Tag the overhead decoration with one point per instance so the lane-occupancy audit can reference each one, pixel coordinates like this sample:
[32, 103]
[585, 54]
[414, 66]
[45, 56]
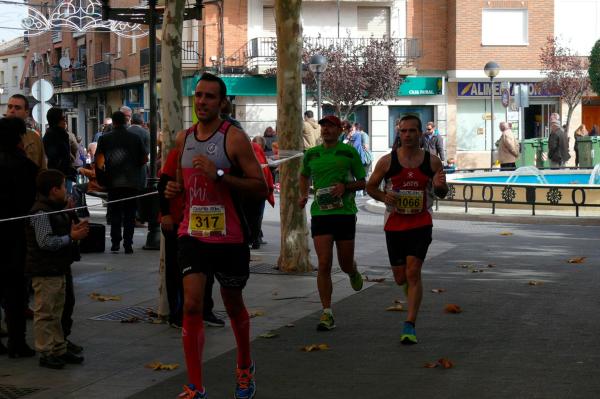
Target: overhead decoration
[78, 16]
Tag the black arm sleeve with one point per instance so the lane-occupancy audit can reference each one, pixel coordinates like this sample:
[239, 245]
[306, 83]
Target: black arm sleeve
[164, 202]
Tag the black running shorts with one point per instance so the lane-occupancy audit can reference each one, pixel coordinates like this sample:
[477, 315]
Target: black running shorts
[414, 242]
[230, 263]
[341, 227]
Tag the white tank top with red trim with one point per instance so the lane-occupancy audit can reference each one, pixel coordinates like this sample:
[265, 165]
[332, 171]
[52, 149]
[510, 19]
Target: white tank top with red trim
[210, 213]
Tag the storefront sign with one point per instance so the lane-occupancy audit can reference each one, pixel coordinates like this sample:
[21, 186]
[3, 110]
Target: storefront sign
[421, 86]
[482, 89]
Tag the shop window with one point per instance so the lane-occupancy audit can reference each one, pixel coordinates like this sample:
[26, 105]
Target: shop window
[504, 27]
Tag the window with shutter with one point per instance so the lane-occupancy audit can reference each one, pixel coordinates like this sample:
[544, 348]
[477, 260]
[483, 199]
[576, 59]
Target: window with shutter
[269, 21]
[373, 21]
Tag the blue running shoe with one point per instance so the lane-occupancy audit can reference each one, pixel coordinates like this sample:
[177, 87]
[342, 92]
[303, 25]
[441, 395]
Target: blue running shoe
[190, 392]
[245, 387]
[409, 335]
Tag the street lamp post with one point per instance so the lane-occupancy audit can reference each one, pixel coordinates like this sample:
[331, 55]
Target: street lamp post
[318, 65]
[492, 70]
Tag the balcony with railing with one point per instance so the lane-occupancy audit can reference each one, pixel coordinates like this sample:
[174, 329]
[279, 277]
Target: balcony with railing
[259, 54]
[189, 54]
[145, 61]
[78, 77]
[101, 73]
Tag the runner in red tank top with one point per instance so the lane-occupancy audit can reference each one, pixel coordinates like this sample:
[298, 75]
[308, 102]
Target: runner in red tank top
[412, 177]
[216, 161]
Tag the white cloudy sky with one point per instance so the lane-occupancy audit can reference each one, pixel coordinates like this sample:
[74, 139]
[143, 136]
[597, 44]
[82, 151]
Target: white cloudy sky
[10, 17]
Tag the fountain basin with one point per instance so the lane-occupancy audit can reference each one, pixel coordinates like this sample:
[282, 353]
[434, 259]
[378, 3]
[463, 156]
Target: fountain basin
[529, 188]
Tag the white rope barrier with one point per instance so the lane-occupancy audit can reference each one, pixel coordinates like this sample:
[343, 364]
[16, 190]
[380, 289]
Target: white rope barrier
[79, 207]
[289, 155]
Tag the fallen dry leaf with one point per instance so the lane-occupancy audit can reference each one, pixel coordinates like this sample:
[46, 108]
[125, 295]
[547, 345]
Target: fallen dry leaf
[476, 270]
[452, 308]
[103, 298]
[256, 313]
[443, 363]
[395, 308]
[465, 265]
[290, 325]
[438, 290]
[578, 259]
[158, 366]
[374, 280]
[534, 282]
[399, 301]
[506, 233]
[315, 348]
[269, 334]
[491, 265]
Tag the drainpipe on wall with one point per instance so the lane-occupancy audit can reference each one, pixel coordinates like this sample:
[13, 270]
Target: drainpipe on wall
[219, 5]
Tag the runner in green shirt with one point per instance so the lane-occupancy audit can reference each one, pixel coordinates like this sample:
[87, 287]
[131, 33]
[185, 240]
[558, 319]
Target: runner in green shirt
[337, 173]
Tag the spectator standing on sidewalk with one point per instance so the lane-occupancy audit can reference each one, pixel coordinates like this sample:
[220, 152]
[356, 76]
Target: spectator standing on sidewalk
[18, 195]
[336, 173]
[119, 157]
[508, 148]
[51, 248]
[18, 107]
[310, 131]
[58, 147]
[434, 143]
[412, 176]
[558, 143]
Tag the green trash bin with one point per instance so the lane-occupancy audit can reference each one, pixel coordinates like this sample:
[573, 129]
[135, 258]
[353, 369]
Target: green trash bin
[542, 160]
[595, 150]
[584, 148]
[528, 153]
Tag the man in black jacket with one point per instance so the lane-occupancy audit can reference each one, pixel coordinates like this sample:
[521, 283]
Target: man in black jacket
[119, 156]
[432, 142]
[18, 174]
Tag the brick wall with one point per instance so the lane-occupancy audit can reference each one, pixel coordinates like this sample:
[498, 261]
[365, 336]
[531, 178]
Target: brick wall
[428, 21]
[470, 54]
[235, 25]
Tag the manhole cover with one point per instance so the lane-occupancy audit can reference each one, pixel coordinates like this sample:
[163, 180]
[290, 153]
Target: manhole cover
[267, 268]
[12, 392]
[142, 314]
[125, 314]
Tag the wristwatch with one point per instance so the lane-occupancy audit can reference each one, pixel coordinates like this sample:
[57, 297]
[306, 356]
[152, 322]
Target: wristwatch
[220, 174]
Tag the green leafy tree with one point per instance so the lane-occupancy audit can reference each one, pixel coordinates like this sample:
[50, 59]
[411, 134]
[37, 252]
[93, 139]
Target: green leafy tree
[594, 68]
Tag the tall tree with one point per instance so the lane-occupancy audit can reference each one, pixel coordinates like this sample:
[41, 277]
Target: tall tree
[565, 73]
[359, 71]
[594, 68]
[294, 232]
[171, 105]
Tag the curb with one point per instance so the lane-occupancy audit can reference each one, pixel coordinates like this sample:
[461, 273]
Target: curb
[451, 212]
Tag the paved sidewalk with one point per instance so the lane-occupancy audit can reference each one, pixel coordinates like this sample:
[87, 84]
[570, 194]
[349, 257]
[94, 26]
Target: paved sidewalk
[512, 340]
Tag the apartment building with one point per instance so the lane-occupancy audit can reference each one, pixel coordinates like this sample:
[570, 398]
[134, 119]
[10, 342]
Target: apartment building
[444, 47]
[12, 60]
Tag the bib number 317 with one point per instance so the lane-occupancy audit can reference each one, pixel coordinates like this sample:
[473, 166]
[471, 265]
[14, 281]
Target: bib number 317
[207, 221]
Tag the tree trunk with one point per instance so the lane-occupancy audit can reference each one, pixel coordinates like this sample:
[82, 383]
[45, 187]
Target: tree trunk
[294, 255]
[171, 105]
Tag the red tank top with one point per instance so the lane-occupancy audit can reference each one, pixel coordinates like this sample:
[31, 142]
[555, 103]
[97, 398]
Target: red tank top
[210, 213]
[414, 191]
